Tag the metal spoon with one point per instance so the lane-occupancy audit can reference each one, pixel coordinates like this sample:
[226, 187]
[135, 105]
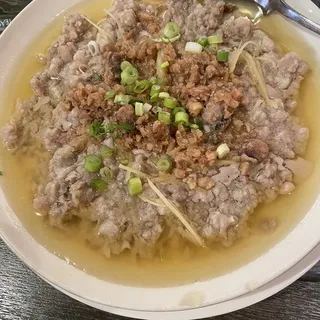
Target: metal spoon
[269, 6]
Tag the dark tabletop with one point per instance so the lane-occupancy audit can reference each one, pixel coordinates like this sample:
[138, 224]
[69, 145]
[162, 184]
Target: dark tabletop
[23, 295]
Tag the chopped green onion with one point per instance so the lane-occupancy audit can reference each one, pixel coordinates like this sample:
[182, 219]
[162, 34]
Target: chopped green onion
[113, 127]
[106, 173]
[215, 39]
[223, 150]
[157, 40]
[194, 126]
[92, 163]
[214, 139]
[122, 99]
[109, 95]
[170, 103]
[96, 129]
[99, 184]
[135, 186]
[193, 47]
[106, 152]
[222, 56]
[96, 78]
[166, 40]
[124, 161]
[165, 65]
[1, 173]
[141, 86]
[138, 107]
[199, 123]
[153, 80]
[155, 97]
[155, 89]
[147, 107]
[125, 64]
[164, 164]
[182, 118]
[129, 76]
[176, 110]
[157, 81]
[171, 30]
[213, 47]
[163, 95]
[164, 117]
[203, 42]
[130, 90]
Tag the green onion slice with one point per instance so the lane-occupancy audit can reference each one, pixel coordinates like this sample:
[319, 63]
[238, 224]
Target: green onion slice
[155, 97]
[99, 184]
[182, 118]
[125, 64]
[138, 107]
[124, 161]
[157, 81]
[163, 95]
[106, 173]
[171, 30]
[170, 103]
[165, 65]
[164, 117]
[216, 39]
[203, 42]
[96, 129]
[193, 47]
[106, 152]
[135, 186]
[164, 164]
[92, 163]
[155, 89]
[199, 122]
[176, 110]
[122, 99]
[222, 56]
[141, 86]
[129, 75]
[109, 95]
[213, 47]
[166, 40]
[147, 107]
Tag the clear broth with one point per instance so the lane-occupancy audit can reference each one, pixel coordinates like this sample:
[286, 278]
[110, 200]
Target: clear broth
[177, 266]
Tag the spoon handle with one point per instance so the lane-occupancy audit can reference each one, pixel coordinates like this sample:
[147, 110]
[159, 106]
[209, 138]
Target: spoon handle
[292, 14]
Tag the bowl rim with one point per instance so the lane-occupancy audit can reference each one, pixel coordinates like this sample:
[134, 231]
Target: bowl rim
[233, 305]
[82, 285]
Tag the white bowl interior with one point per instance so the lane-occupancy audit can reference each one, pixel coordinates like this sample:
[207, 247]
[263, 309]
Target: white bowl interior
[255, 274]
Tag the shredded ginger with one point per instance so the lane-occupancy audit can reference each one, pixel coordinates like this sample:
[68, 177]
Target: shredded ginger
[198, 240]
[151, 201]
[134, 171]
[98, 28]
[255, 70]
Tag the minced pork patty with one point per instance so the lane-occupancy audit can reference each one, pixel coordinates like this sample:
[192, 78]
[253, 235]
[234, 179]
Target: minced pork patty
[74, 113]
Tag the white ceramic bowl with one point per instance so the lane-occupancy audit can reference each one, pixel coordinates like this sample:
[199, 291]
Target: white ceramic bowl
[115, 297]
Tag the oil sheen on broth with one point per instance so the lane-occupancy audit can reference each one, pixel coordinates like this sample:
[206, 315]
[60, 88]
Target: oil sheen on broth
[178, 264]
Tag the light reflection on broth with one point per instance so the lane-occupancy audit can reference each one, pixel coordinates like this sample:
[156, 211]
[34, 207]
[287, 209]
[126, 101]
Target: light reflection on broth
[179, 264]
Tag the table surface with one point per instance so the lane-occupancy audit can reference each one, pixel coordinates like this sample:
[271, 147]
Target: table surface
[23, 295]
